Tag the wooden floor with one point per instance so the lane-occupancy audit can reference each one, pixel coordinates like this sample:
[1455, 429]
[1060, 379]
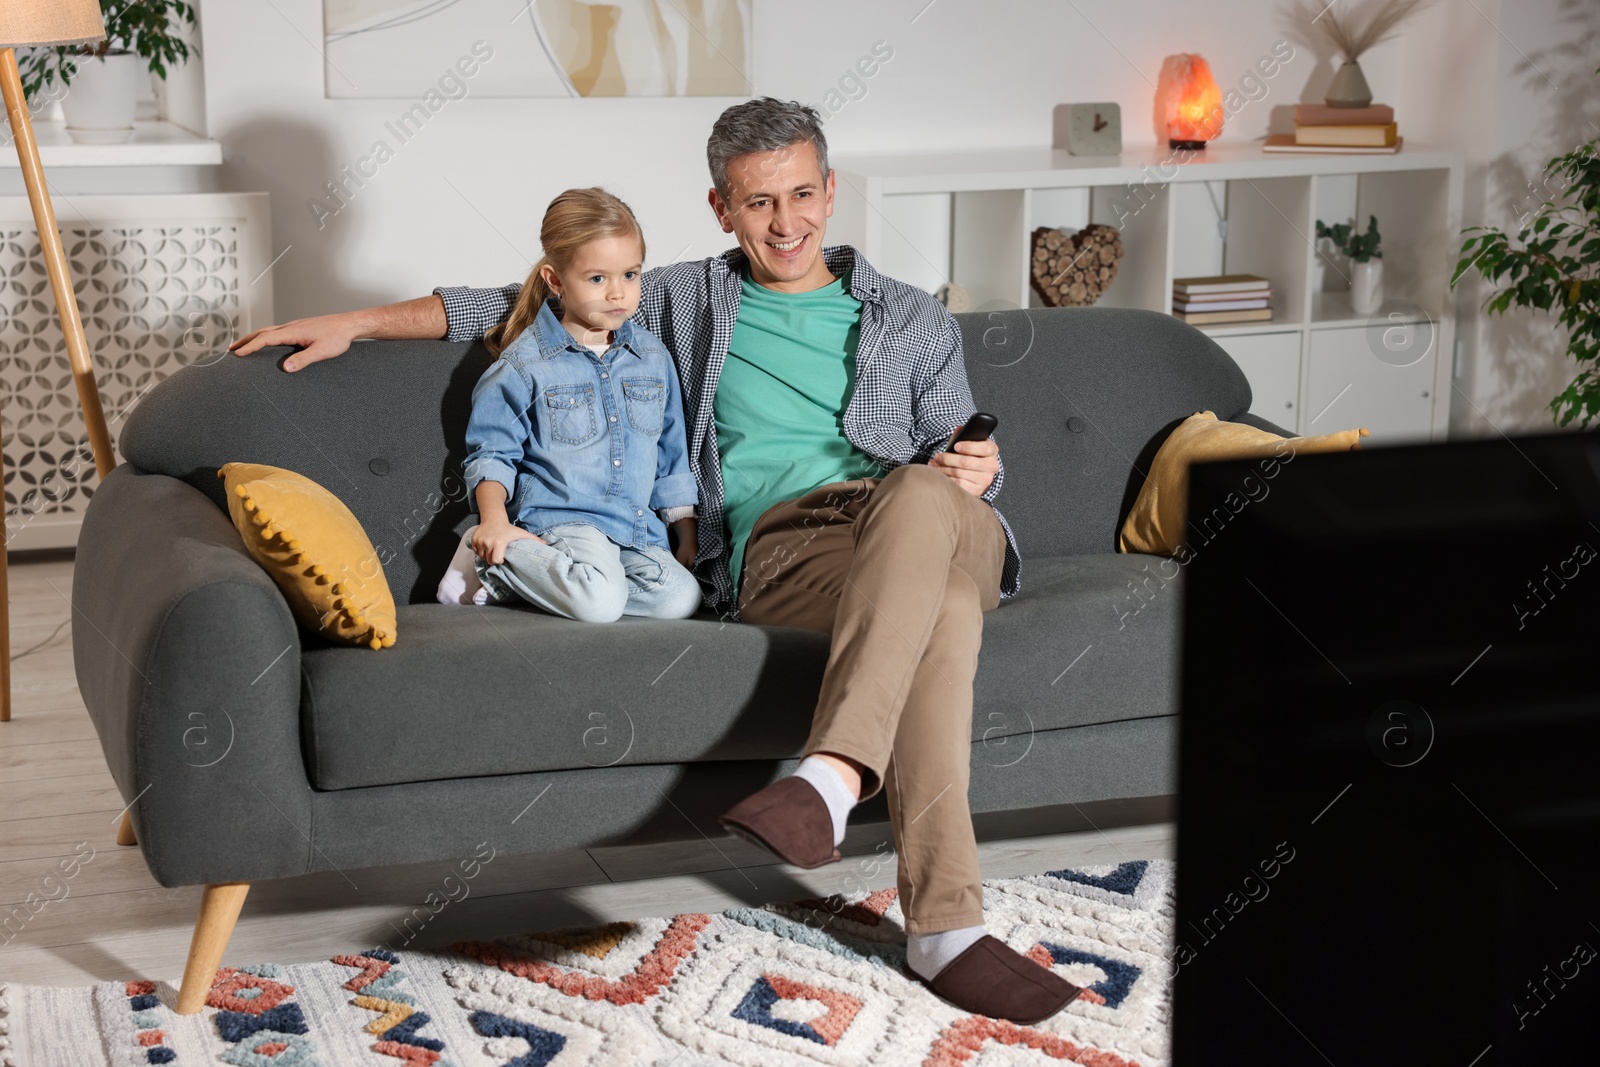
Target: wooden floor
[57, 798]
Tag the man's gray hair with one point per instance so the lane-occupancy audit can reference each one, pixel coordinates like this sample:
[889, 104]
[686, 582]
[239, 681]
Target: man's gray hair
[764, 124]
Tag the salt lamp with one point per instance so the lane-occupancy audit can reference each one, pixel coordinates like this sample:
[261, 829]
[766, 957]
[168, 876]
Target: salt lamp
[1190, 102]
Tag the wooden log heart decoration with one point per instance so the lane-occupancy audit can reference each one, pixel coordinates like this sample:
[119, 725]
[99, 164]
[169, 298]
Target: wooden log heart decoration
[1073, 270]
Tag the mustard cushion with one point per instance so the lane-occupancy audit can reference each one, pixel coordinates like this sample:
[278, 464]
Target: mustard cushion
[1156, 523]
[316, 552]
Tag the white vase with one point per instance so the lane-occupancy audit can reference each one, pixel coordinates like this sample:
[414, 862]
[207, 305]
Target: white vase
[100, 102]
[1366, 286]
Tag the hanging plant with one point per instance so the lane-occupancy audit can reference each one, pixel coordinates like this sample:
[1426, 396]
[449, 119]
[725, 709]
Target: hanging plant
[149, 29]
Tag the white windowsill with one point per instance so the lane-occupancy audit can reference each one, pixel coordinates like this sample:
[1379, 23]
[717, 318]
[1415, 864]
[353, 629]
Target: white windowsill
[154, 144]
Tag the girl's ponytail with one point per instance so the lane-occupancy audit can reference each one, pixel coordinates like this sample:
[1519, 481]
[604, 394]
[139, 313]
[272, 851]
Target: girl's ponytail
[573, 219]
[523, 312]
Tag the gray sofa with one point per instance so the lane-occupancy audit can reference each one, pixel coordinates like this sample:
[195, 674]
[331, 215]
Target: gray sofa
[258, 751]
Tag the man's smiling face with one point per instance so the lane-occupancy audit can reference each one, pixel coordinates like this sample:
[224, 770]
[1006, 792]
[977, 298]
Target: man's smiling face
[777, 206]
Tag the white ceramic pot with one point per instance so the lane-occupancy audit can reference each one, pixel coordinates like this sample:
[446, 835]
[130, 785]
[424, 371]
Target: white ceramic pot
[1366, 286]
[100, 102]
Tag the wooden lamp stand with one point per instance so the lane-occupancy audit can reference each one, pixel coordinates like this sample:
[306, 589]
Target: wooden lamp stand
[55, 261]
[72, 22]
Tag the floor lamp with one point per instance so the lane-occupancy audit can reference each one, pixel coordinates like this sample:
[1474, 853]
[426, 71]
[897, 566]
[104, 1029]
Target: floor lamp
[28, 23]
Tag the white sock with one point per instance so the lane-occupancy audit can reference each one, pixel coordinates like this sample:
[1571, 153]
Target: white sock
[834, 792]
[928, 954]
[460, 584]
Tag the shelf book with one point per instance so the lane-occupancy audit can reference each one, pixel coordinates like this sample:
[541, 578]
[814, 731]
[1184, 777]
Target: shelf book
[1320, 128]
[1348, 136]
[1285, 142]
[1213, 300]
[1324, 115]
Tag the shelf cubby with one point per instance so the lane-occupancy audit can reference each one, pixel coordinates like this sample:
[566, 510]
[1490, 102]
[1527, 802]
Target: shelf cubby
[987, 227]
[1266, 237]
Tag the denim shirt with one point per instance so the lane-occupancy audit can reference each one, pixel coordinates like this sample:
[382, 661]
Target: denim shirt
[578, 437]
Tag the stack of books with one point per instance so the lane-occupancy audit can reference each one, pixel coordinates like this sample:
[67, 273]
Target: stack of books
[1218, 299]
[1367, 130]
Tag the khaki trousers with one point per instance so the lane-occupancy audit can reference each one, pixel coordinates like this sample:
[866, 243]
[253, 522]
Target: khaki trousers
[899, 570]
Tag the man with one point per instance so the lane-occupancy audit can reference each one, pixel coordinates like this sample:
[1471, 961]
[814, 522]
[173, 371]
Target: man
[806, 376]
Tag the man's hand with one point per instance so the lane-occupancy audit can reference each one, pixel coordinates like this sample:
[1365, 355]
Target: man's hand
[491, 538]
[320, 338]
[973, 465]
[688, 546]
[327, 336]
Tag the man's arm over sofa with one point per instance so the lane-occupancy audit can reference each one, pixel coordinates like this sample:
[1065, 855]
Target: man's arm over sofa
[188, 661]
[471, 313]
[425, 318]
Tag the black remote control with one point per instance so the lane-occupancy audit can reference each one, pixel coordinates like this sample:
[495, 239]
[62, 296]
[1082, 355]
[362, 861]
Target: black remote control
[978, 428]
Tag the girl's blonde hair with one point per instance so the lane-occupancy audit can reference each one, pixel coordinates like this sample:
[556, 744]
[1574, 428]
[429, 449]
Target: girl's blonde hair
[573, 219]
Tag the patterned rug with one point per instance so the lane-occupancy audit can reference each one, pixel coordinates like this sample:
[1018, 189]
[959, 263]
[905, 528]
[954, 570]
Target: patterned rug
[805, 983]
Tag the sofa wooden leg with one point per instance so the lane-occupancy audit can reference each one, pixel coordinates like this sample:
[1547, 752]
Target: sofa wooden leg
[219, 910]
[125, 830]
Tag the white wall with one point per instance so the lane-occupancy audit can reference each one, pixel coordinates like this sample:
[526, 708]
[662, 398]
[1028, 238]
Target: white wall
[461, 202]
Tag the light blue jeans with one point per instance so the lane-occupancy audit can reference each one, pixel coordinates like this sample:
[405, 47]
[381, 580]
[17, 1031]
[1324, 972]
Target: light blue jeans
[580, 573]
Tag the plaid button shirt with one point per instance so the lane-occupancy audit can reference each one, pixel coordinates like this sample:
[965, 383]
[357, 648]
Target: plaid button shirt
[910, 391]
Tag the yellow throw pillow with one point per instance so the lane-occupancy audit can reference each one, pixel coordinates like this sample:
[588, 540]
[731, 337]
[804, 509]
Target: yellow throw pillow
[1156, 523]
[315, 550]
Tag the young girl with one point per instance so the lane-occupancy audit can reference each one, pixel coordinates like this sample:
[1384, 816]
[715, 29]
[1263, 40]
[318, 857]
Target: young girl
[576, 439]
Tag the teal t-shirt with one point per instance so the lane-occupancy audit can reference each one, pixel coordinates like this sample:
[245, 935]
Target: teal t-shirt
[780, 401]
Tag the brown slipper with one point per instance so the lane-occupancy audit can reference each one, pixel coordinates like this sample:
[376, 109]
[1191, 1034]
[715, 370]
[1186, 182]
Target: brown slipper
[990, 978]
[789, 819]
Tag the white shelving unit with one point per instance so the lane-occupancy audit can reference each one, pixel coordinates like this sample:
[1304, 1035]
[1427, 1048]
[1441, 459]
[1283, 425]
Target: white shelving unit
[153, 144]
[1317, 367]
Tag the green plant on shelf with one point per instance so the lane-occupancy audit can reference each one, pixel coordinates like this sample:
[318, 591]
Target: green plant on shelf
[1360, 247]
[150, 29]
[1553, 264]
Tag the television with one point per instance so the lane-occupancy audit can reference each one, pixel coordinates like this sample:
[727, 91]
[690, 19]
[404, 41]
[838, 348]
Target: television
[1389, 769]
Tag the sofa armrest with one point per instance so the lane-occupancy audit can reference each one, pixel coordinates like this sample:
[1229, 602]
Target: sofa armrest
[1259, 423]
[188, 660]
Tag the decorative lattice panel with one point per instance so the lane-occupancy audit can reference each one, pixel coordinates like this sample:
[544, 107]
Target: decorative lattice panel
[153, 297]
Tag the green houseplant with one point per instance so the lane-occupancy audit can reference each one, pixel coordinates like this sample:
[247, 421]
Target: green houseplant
[1366, 262]
[1553, 264]
[1360, 247]
[140, 35]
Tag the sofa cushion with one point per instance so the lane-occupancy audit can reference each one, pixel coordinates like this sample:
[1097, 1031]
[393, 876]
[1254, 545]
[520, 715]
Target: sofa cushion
[315, 550]
[1091, 639]
[1158, 521]
[505, 690]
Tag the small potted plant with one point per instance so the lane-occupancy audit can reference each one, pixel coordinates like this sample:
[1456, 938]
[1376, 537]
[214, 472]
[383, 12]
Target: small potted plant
[1366, 262]
[104, 76]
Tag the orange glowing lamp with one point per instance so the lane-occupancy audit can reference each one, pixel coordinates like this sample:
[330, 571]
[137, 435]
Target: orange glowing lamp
[1190, 102]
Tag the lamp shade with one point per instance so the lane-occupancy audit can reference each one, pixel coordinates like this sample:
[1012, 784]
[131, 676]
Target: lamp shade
[36, 22]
